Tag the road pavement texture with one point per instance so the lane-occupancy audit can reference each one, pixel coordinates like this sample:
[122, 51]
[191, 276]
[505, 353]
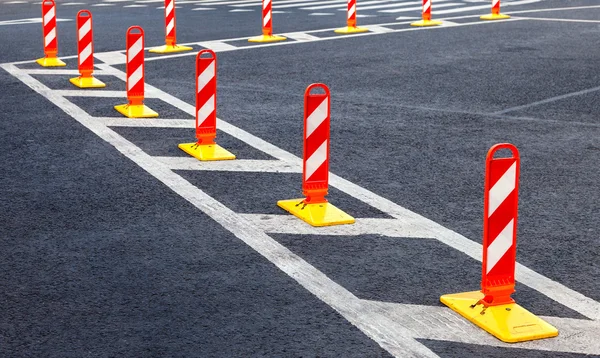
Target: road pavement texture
[103, 257]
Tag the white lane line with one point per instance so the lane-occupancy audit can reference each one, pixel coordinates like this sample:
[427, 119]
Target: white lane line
[321, 14]
[94, 93]
[102, 4]
[112, 57]
[559, 20]
[34, 20]
[548, 100]
[137, 5]
[439, 323]
[343, 3]
[419, 8]
[481, 7]
[240, 10]
[147, 122]
[288, 224]
[552, 289]
[378, 29]
[278, 3]
[203, 9]
[71, 3]
[217, 46]
[42, 71]
[238, 165]
[375, 325]
[300, 36]
[15, 2]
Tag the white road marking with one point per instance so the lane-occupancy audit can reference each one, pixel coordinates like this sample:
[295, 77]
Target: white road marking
[147, 122]
[321, 14]
[559, 20]
[482, 7]
[217, 46]
[419, 8]
[240, 10]
[34, 20]
[111, 58]
[137, 5]
[549, 100]
[203, 8]
[94, 93]
[288, 224]
[103, 4]
[43, 71]
[300, 36]
[378, 29]
[238, 165]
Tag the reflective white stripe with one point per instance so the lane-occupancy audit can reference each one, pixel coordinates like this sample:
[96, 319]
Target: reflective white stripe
[206, 110]
[135, 78]
[169, 8]
[502, 189]
[352, 11]
[426, 6]
[206, 76]
[135, 49]
[87, 52]
[51, 35]
[266, 3]
[170, 26]
[499, 246]
[317, 117]
[267, 18]
[316, 160]
[49, 15]
[85, 28]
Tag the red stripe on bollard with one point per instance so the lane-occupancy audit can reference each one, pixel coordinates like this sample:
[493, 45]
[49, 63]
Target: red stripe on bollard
[500, 226]
[315, 181]
[206, 97]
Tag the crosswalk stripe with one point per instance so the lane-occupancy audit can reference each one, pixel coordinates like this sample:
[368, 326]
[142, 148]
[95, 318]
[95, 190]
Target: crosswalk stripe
[360, 7]
[277, 3]
[398, 5]
[418, 8]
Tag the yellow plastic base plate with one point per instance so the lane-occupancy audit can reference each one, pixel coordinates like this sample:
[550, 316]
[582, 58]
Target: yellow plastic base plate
[423, 23]
[170, 49]
[51, 62]
[263, 38]
[350, 30]
[494, 17]
[323, 214]
[136, 111]
[87, 82]
[206, 152]
[509, 323]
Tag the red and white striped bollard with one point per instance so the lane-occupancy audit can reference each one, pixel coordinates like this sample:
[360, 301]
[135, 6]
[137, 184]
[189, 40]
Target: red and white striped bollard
[495, 15]
[206, 111]
[351, 21]
[50, 36]
[170, 32]
[314, 208]
[135, 77]
[267, 25]
[85, 52]
[426, 16]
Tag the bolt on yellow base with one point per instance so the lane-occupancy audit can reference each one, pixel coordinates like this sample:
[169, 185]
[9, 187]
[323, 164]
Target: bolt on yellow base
[267, 38]
[50, 62]
[136, 111]
[423, 23]
[495, 17]
[351, 30]
[509, 323]
[206, 151]
[87, 82]
[170, 49]
[322, 214]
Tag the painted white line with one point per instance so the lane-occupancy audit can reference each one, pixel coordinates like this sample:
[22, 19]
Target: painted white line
[217, 46]
[397, 5]
[549, 100]
[419, 8]
[146, 122]
[482, 7]
[94, 93]
[288, 224]
[203, 9]
[375, 325]
[378, 29]
[34, 20]
[137, 5]
[342, 4]
[552, 289]
[102, 4]
[240, 10]
[321, 14]
[238, 165]
[554, 9]
[71, 3]
[300, 36]
[43, 71]
[111, 58]
[15, 2]
[559, 20]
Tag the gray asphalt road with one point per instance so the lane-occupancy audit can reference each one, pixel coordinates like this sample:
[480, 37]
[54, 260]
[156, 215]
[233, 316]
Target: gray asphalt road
[100, 259]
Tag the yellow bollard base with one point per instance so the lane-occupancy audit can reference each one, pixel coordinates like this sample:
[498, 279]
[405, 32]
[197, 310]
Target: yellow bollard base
[494, 17]
[350, 30]
[323, 214]
[50, 62]
[87, 82]
[265, 38]
[170, 49]
[136, 111]
[423, 23]
[206, 152]
[509, 323]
